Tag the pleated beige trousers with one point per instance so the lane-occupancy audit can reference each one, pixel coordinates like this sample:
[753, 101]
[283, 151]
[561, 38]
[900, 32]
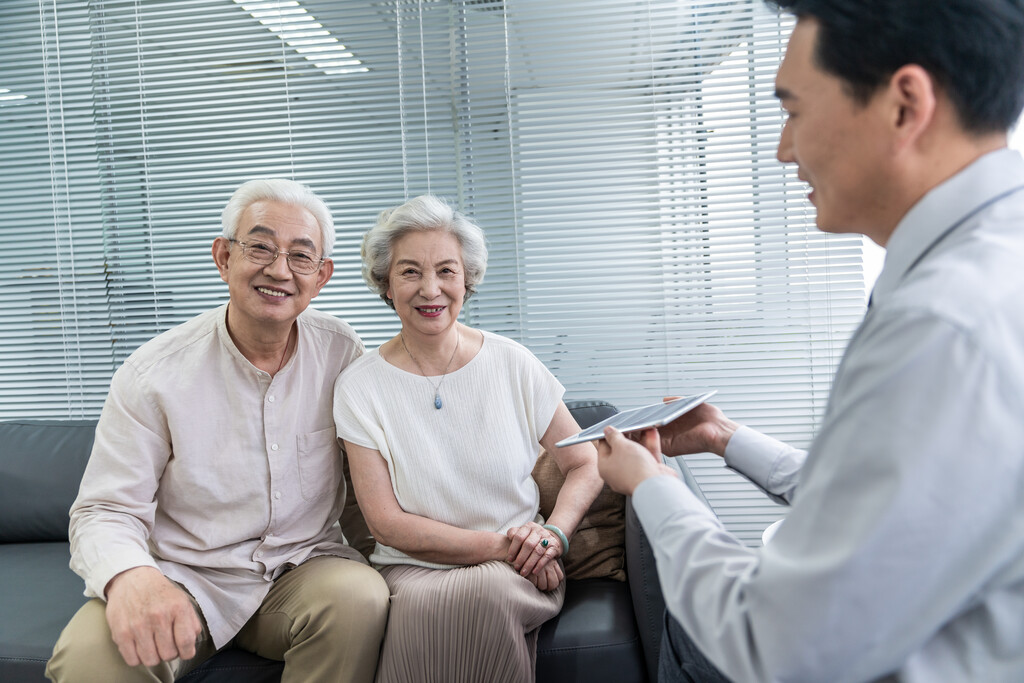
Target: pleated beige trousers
[466, 625]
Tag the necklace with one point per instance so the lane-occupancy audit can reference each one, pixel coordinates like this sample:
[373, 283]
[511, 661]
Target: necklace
[437, 387]
[284, 356]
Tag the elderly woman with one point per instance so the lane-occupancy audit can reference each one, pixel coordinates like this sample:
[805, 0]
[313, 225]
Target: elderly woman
[443, 424]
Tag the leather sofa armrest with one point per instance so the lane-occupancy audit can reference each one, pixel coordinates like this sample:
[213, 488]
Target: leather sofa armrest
[642, 574]
[648, 602]
[679, 465]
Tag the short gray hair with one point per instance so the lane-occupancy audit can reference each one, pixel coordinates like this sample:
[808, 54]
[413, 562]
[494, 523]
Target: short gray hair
[425, 212]
[278, 190]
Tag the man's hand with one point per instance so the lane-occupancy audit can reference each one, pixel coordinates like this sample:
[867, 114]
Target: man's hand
[151, 619]
[705, 429]
[624, 463]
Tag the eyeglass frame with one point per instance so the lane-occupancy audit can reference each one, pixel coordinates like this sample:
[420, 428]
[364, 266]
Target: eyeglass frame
[277, 252]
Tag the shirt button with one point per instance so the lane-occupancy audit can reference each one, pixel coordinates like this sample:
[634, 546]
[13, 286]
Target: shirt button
[270, 399]
[277, 495]
[273, 447]
[259, 553]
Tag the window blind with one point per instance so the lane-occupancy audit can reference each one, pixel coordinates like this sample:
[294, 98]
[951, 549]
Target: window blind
[55, 353]
[644, 241]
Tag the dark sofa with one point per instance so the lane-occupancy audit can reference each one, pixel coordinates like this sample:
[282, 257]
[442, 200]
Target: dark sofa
[607, 631]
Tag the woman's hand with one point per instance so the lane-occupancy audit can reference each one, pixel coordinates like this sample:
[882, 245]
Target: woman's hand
[526, 552]
[549, 578]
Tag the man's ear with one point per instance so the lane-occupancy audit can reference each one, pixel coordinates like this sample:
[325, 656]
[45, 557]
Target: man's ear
[221, 251]
[913, 94]
[323, 275]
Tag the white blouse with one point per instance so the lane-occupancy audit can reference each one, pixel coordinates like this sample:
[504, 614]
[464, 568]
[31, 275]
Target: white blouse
[468, 464]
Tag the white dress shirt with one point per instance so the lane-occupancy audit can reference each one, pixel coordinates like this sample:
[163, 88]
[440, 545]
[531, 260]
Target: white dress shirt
[902, 556]
[209, 469]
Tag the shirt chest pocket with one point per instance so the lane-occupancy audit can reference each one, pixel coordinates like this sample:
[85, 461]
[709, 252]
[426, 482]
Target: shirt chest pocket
[319, 462]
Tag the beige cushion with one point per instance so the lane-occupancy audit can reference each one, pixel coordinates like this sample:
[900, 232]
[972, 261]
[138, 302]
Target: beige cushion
[353, 525]
[597, 549]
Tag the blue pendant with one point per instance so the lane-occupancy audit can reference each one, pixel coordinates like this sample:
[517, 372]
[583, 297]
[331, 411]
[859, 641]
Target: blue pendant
[437, 401]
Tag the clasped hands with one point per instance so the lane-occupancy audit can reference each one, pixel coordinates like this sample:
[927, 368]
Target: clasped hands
[533, 560]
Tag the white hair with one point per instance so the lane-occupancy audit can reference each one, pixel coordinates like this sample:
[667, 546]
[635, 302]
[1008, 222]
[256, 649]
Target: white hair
[278, 190]
[425, 212]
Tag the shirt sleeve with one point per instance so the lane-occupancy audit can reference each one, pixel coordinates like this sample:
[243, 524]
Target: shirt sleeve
[768, 463]
[350, 417]
[546, 394]
[877, 552]
[112, 517]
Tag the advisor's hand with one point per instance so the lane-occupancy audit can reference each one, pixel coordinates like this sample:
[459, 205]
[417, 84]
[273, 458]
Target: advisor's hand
[624, 463]
[705, 429]
[151, 619]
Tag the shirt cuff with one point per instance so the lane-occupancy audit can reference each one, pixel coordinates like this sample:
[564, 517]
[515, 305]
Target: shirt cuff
[101, 575]
[754, 454]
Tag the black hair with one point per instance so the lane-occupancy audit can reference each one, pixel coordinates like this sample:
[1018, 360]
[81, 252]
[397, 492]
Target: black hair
[973, 50]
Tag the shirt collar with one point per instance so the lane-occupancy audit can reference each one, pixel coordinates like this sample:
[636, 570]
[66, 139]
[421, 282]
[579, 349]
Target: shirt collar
[945, 206]
[229, 344]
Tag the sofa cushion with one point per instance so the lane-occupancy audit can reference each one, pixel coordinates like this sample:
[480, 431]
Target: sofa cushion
[232, 665]
[353, 524]
[593, 638]
[40, 595]
[40, 470]
[597, 548]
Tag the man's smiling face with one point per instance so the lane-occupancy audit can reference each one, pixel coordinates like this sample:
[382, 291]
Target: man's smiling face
[837, 143]
[271, 294]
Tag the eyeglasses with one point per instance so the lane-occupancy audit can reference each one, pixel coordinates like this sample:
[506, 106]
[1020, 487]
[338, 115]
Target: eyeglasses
[299, 261]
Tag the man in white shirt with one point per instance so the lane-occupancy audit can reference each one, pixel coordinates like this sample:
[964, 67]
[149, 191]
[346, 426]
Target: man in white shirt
[208, 512]
[902, 556]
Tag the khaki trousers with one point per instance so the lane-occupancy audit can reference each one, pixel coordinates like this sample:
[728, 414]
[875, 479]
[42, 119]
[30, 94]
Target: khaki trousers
[325, 619]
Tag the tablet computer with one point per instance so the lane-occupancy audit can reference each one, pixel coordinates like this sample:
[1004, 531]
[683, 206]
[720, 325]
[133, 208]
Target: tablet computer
[645, 417]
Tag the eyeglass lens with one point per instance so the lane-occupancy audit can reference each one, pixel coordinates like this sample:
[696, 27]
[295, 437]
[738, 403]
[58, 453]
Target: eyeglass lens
[265, 254]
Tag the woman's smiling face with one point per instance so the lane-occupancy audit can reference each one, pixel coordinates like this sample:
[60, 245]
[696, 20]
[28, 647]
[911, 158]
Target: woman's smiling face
[427, 281]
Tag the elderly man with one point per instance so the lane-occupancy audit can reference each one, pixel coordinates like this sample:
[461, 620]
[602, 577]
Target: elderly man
[902, 556]
[208, 511]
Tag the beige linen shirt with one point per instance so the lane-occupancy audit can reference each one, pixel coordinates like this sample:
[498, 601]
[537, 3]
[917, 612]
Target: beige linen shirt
[213, 471]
